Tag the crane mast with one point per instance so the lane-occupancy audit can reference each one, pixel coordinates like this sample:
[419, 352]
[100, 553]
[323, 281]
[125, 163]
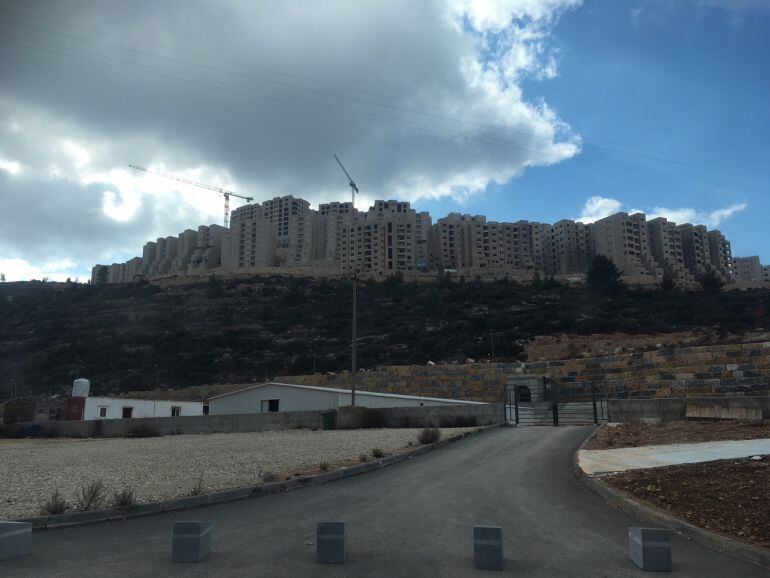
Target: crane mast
[224, 192]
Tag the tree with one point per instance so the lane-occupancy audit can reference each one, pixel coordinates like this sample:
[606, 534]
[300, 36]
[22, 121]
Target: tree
[604, 276]
[668, 283]
[2, 277]
[710, 281]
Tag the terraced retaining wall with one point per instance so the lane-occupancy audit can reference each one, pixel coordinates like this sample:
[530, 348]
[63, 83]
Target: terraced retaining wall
[714, 370]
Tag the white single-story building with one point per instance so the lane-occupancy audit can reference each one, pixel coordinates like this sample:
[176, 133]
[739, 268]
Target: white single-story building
[272, 397]
[91, 408]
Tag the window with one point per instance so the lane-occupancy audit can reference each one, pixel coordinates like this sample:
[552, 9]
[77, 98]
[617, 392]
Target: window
[102, 411]
[270, 405]
[128, 412]
[176, 411]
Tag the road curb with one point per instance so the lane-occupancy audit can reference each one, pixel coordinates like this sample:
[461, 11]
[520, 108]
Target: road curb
[649, 513]
[70, 519]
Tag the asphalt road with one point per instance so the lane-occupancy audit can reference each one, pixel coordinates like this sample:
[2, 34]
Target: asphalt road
[412, 519]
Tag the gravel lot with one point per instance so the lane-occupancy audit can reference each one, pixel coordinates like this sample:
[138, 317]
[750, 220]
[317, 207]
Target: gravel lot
[166, 467]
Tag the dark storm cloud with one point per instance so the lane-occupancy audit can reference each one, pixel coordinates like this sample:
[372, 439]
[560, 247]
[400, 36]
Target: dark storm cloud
[257, 95]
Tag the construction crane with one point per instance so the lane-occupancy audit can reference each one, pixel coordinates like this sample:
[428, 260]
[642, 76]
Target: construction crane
[225, 193]
[353, 192]
[353, 187]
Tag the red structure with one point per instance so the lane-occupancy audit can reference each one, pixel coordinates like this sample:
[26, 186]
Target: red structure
[75, 407]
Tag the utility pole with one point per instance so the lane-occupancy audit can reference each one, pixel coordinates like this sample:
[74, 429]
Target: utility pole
[353, 191]
[313, 350]
[492, 339]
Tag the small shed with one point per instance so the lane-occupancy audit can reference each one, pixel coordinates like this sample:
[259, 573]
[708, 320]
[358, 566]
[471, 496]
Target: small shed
[275, 397]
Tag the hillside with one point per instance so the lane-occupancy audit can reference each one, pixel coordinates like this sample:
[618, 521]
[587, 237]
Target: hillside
[127, 337]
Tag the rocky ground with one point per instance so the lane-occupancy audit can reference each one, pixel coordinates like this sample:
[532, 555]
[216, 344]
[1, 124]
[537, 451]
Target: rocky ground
[731, 497]
[172, 466]
[628, 435]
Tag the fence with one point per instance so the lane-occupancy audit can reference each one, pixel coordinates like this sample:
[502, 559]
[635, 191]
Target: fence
[438, 416]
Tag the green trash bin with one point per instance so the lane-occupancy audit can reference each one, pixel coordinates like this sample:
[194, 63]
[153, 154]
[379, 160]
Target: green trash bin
[329, 419]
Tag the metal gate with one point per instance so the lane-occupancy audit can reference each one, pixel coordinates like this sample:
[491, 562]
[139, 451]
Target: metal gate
[556, 408]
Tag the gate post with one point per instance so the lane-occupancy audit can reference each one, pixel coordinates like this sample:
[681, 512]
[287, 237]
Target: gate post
[516, 403]
[555, 404]
[506, 395]
[593, 402]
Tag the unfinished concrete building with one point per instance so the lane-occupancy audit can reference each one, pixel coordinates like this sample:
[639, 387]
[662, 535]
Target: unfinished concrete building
[623, 238]
[666, 249]
[695, 246]
[566, 248]
[720, 255]
[747, 269]
[337, 239]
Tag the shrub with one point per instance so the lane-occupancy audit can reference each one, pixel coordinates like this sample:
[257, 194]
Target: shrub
[269, 476]
[377, 453]
[55, 504]
[89, 496]
[124, 497]
[429, 435]
[144, 430]
[198, 488]
[363, 457]
[323, 466]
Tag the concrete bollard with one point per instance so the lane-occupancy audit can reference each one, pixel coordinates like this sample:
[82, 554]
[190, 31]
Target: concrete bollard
[15, 539]
[330, 543]
[192, 541]
[488, 547]
[650, 548]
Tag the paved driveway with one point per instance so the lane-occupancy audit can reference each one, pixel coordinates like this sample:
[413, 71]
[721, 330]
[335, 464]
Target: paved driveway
[411, 519]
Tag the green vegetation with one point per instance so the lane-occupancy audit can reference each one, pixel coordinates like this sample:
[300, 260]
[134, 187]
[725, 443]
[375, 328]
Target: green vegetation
[260, 328]
[710, 281]
[604, 276]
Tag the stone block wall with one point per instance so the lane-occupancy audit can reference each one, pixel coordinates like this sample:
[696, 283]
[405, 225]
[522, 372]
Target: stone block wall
[714, 370]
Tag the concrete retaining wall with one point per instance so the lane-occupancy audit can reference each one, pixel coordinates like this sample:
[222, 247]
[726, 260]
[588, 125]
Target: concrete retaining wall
[671, 409]
[348, 418]
[186, 425]
[427, 416]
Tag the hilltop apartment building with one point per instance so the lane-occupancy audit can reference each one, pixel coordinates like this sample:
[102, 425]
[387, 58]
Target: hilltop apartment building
[285, 233]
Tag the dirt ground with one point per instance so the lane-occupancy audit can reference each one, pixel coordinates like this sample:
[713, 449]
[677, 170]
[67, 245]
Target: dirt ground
[731, 497]
[629, 435]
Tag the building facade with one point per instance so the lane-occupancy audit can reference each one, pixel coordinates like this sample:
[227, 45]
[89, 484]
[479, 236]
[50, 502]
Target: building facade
[285, 233]
[747, 270]
[280, 397]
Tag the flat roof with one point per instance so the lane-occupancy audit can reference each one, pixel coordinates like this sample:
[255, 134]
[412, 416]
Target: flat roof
[348, 391]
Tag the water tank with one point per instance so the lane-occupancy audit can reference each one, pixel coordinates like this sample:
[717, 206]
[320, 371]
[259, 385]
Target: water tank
[81, 387]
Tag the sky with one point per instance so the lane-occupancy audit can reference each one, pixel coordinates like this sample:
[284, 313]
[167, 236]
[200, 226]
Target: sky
[513, 109]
